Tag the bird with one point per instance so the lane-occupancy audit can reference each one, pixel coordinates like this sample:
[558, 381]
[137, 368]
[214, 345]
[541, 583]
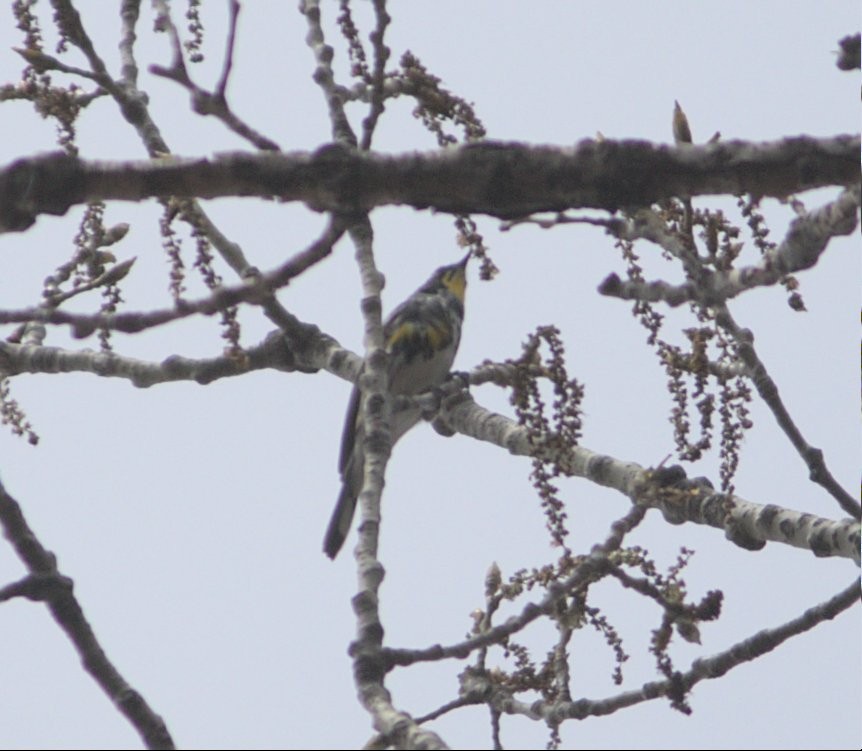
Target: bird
[421, 336]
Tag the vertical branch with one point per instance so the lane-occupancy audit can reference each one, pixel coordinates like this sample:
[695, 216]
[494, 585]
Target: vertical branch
[324, 77]
[369, 666]
[129, 13]
[228, 55]
[381, 55]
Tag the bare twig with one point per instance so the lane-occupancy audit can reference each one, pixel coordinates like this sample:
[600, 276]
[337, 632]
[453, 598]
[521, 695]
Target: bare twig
[584, 571]
[221, 87]
[47, 584]
[69, 22]
[258, 289]
[381, 55]
[768, 390]
[41, 62]
[702, 669]
[324, 77]
[203, 101]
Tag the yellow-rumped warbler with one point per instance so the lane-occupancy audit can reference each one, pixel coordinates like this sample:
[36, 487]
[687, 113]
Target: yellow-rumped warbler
[421, 336]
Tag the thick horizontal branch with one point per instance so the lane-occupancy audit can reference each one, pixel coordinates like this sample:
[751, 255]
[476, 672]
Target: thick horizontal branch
[307, 349]
[499, 179]
[748, 525]
[271, 353]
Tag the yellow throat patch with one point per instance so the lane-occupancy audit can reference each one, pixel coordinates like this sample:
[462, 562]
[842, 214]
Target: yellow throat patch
[455, 280]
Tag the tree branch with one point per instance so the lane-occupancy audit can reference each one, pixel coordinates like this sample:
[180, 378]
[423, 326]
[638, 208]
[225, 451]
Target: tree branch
[768, 391]
[499, 179]
[324, 76]
[271, 353]
[47, 584]
[747, 524]
[257, 289]
[801, 248]
[206, 102]
[706, 668]
[587, 569]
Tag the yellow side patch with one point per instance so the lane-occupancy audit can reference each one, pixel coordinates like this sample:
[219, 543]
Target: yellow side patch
[438, 336]
[406, 330]
[413, 339]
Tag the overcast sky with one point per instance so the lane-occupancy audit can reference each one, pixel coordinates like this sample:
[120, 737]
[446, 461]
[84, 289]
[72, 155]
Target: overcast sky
[191, 518]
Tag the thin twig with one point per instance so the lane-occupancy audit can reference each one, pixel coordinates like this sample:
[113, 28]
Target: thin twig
[324, 76]
[716, 666]
[221, 87]
[203, 101]
[585, 571]
[381, 55]
[46, 583]
[768, 390]
[258, 289]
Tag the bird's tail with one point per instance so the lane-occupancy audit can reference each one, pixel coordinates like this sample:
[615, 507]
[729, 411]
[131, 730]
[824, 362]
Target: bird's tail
[339, 524]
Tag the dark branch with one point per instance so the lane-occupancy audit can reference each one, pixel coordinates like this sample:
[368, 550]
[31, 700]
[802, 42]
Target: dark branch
[45, 583]
[505, 180]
